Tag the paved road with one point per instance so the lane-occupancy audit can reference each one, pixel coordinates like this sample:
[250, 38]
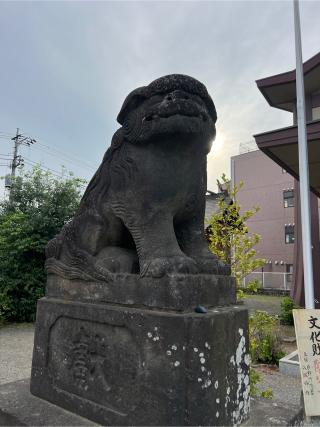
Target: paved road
[16, 345]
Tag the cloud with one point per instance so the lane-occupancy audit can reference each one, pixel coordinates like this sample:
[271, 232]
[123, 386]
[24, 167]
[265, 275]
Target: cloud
[67, 66]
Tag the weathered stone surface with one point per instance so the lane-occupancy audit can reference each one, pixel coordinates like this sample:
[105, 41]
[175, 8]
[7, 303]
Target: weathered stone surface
[139, 325]
[143, 211]
[128, 366]
[172, 292]
[20, 408]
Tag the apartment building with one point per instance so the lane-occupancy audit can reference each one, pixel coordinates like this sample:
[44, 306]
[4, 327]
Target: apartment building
[268, 186]
[281, 146]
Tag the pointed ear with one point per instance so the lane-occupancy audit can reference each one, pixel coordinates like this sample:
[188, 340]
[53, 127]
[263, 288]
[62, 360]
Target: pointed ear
[132, 101]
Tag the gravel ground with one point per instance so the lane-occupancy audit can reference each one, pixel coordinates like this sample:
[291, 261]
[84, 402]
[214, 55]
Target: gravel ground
[16, 345]
[269, 303]
[285, 389]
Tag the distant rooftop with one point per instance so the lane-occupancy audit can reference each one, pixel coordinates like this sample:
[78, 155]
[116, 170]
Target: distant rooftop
[280, 90]
[281, 145]
[247, 147]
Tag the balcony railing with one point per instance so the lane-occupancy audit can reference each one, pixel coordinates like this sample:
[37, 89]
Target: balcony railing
[270, 280]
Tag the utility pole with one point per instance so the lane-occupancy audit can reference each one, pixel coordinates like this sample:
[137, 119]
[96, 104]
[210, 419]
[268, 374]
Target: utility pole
[17, 159]
[15, 163]
[303, 167]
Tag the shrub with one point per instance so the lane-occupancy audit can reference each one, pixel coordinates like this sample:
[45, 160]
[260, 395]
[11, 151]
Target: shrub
[253, 286]
[40, 205]
[264, 338]
[255, 378]
[286, 316]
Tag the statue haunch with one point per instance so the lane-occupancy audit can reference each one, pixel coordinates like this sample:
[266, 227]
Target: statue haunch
[143, 211]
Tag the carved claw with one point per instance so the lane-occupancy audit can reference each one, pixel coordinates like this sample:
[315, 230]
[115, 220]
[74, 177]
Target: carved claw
[212, 265]
[158, 267]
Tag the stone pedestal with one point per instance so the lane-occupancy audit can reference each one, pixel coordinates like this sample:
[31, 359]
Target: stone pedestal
[135, 363]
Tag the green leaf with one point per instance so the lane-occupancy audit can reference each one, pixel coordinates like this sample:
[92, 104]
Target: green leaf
[42, 204]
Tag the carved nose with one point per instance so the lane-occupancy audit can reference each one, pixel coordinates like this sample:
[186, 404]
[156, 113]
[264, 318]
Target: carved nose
[176, 94]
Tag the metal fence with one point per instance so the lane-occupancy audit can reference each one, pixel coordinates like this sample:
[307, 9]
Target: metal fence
[270, 280]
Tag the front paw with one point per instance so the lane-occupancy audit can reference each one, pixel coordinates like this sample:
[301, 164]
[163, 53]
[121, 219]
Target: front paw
[212, 265]
[158, 267]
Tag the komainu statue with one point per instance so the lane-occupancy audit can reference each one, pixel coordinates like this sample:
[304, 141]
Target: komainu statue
[143, 211]
[139, 325]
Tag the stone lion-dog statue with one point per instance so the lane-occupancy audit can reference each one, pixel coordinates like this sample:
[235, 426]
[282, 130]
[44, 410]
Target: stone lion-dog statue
[143, 210]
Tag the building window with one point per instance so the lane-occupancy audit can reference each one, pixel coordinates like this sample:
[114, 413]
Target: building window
[316, 113]
[288, 198]
[289, 233]
[289, 268]
[289, 271]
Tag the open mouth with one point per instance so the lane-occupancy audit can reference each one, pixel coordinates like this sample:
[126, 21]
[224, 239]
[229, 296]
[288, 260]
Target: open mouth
[164, 115]
[179, 107]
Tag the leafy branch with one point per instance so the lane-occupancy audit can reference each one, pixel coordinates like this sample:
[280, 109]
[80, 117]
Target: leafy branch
[229, 236]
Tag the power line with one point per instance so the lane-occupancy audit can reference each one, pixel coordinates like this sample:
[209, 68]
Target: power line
[52, 171]
[42, 166]
[55, 173]
[60, 154]
[64, 158]
[14, 160]
[32, 163]
[67, 155]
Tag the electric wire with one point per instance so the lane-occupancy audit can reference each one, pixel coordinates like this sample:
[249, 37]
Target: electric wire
[63, 157]
[59, 154]
[32, 163]
[69, 156]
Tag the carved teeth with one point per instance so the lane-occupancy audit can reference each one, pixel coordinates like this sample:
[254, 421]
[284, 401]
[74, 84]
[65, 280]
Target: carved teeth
[167, 114]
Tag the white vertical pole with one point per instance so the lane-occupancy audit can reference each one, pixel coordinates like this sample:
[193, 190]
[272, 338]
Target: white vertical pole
[303, 166]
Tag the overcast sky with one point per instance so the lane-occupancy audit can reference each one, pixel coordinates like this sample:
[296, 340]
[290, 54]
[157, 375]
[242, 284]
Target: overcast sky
[66, 68]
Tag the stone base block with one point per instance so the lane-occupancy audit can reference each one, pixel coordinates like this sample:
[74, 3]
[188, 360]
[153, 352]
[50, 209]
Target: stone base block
[119, 365]
[178, 292]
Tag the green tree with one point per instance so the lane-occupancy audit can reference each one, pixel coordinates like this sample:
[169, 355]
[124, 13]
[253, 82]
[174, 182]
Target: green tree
[40, 205]
[229, 236]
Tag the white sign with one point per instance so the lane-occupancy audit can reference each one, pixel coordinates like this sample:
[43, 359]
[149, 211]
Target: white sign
[307, 326]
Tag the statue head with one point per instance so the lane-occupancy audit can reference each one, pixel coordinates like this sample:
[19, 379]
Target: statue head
[169, 106]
